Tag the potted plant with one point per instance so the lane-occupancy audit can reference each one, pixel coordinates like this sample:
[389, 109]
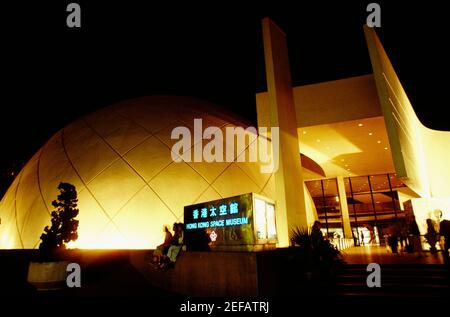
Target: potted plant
[317, 258]
[49, 271]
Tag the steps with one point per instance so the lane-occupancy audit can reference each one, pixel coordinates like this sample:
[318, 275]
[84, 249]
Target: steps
[398, 281]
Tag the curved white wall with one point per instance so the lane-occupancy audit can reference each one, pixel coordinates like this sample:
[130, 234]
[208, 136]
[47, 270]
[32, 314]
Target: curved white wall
[119, 159]
[420, 154]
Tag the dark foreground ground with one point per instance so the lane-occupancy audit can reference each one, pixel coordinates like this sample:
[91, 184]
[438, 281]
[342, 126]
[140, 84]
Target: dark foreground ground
[112, 285]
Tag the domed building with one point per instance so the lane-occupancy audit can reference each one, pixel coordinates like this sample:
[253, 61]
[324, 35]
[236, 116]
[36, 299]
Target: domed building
[128, 184]
[357, 169]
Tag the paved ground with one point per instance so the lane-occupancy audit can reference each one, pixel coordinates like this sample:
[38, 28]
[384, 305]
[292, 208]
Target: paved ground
[380, 255]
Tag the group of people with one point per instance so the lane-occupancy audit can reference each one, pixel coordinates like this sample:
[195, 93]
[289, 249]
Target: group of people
[166, 253]
[409, 237]
[434, 236]
[362, 238]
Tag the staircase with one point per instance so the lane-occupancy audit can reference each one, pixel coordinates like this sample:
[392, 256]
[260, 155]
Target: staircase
[398, 281]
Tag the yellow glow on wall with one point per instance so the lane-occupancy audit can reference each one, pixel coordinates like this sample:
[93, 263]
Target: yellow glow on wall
[260, 219]
[119, 159]
[271, 224]
[437, 152]
[420, 154]
[7, 241]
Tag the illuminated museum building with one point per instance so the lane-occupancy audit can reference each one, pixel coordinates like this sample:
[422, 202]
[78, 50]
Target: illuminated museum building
[365, 158]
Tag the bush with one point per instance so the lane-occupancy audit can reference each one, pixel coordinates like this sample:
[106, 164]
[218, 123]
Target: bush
[63, 227]
[317, 258]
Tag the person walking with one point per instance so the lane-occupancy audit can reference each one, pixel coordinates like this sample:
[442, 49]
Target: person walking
[431, 235]
[361, 234]
[444, 231]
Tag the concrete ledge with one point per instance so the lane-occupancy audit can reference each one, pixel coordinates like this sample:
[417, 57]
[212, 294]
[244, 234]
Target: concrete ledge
[205, 274]
[227, 274]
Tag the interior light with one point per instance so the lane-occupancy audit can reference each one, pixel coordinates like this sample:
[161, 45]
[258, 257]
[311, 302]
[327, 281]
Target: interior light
[360, 124]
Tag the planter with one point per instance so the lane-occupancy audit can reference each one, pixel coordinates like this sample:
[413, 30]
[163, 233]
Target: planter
[47, 275]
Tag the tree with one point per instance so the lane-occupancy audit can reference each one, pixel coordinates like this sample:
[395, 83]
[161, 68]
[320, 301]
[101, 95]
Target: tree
[63, 227]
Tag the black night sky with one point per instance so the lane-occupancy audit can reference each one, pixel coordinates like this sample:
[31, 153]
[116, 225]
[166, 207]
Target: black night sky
[51, 74]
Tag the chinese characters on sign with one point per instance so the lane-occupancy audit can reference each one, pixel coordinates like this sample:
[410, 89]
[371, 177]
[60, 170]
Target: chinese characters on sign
[208, 217]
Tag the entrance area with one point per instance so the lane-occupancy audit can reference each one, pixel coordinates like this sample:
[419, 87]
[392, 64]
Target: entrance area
[374, 209]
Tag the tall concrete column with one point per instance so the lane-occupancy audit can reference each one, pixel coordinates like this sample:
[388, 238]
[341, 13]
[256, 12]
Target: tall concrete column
[344, 208]
[290, 199]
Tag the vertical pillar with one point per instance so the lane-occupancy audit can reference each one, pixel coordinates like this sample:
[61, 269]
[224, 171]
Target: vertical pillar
[290, 199]
[344, 208]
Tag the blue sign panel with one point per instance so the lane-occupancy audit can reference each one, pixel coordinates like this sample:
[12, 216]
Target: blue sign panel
[227, 221]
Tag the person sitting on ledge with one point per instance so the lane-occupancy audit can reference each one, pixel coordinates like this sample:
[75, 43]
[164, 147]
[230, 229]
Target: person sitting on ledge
[164, 247]
[169, 260]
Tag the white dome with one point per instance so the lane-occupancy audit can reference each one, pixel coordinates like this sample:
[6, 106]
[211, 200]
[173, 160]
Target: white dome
[119, 159]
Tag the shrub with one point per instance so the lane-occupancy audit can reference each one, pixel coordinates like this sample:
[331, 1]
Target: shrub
[317, 258]
[63, 227]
